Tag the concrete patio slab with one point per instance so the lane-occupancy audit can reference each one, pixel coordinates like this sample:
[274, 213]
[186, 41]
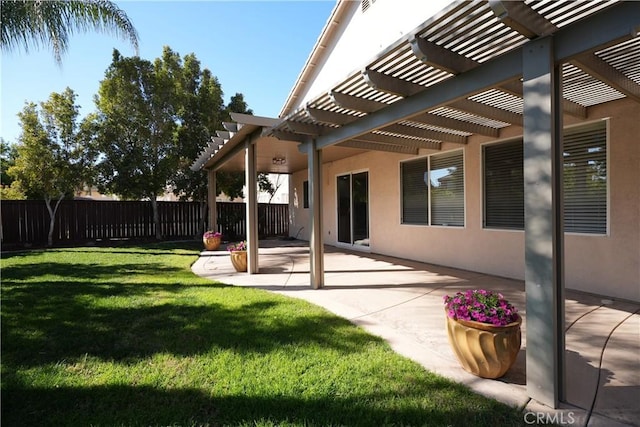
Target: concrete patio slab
[401, 301]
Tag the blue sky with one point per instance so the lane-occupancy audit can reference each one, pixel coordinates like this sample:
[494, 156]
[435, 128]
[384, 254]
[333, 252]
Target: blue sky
[256, 48]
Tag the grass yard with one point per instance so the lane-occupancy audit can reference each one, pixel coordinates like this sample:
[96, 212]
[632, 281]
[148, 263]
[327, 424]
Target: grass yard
[128, 336]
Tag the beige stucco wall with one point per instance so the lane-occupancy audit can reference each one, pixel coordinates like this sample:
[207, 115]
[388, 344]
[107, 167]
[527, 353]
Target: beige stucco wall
[608, 265]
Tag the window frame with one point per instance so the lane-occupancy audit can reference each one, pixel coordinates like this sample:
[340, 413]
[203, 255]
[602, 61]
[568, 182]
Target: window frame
[427, 160]
[567, 129]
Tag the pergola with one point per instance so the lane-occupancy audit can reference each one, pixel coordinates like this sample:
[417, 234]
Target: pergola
[475, 68]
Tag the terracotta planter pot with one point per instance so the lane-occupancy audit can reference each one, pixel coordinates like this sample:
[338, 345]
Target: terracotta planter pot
[211, 243]
[239, 260]
[484, 350]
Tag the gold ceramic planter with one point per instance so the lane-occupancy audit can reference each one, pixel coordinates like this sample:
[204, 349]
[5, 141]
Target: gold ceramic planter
[211, 243]
[239, 260]
[484, 350]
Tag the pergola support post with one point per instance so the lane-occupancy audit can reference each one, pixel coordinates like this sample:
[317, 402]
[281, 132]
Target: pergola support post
[544, 235]
[252, 206]
[316, 248]
[212, 221]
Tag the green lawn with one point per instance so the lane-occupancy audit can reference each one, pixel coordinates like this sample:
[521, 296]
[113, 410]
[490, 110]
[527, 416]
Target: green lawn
[128, 336]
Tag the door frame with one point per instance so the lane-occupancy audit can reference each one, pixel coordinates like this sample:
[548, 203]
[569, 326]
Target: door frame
[337, 216]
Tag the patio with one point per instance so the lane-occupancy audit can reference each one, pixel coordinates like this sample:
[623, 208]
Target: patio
[401, 301]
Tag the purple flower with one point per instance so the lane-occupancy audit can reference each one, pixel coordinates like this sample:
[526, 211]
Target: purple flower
[480, 305]
[240, 246]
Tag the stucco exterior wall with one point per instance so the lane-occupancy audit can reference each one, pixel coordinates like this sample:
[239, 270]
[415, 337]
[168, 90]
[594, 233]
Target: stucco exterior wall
[602, 264]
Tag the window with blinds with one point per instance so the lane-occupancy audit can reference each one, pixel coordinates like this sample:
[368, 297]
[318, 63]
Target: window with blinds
[585, 179]
[305, 194]
[585, 182]
[446, 179]
[503, 186]
[415, 196]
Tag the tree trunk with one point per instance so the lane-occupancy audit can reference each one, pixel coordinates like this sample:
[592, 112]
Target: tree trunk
[52, 217]
[156, 217]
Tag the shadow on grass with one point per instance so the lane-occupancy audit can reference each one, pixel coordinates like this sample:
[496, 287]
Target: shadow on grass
[49, 322]
[86, 272]
[146, 406]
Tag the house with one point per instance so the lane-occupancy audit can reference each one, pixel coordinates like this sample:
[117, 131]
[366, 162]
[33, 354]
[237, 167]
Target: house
[499, 137]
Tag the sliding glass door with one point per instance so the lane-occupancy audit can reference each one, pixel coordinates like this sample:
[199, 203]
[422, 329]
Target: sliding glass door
[353, 208]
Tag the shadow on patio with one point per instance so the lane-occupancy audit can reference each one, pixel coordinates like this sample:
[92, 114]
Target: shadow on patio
[401, 301]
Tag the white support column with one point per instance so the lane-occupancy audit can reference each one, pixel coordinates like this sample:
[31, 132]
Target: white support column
[316, 248]
[544, 236]
[251, 180]
[212, 221]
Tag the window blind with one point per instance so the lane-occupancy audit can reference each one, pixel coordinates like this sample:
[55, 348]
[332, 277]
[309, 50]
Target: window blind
[414, 192]
[504, 186]
[446, 174]
[585, 179]
[584, 174]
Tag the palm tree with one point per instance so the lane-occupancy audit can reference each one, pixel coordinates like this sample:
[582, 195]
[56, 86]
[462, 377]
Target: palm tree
[41, 23]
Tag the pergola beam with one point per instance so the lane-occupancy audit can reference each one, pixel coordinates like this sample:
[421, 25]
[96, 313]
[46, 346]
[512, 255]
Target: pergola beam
[330, 116]
[390, 84]
[522, 18]
[455, 124]
[351, 102]
[615, 24]
[397, 140]
[232, 127]
[306, 128]
[439, 57]
[376, 146]
[288, 136]
[223, 134]
[425, 133]
[487, 111]
[525, 20]
[601, 70]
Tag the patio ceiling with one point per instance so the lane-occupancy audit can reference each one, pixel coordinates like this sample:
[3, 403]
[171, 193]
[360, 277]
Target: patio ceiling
[226, 150]
[458, 41]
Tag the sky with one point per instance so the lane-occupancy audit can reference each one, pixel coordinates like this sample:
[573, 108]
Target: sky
[255, 48]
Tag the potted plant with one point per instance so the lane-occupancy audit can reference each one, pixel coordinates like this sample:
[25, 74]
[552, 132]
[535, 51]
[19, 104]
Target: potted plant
[238, 253]
[484, 331]
[211, 240]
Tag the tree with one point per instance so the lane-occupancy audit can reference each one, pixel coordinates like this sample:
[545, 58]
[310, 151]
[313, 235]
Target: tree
[267, 186]
[38, 24]
[200, 113]
[137, 121]
[231, 183]
[54, 158]
[237, 104]
[9, 189]
[8, 154]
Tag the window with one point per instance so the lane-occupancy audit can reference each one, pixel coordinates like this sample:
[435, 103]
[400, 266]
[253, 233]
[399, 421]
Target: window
[585, 182]
[415, 192]
[433, 190]
[305, 194]
[585, 179]
[503, 186]
[446, 175]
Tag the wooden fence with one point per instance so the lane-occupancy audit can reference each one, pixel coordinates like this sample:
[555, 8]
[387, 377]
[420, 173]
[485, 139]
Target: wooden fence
[79, 221]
